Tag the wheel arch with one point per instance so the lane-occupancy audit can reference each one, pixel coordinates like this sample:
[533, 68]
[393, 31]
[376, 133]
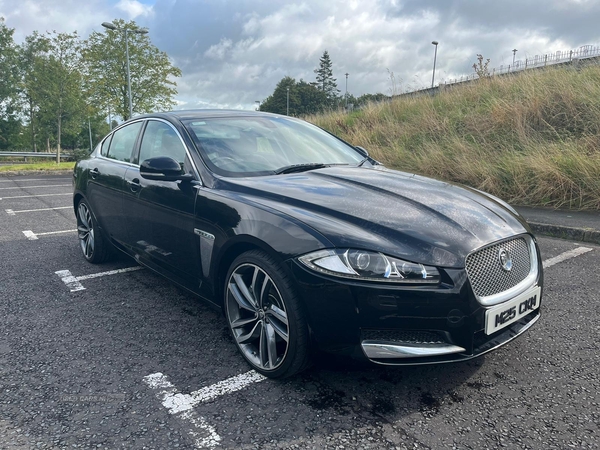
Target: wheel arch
[232, 250]
[76, 199]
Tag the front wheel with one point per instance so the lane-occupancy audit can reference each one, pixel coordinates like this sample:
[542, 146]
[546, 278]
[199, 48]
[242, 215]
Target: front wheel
[93, 245]
[265, 316]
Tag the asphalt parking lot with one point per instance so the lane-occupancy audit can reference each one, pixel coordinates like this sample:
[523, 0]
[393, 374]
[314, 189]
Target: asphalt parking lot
[113, 356]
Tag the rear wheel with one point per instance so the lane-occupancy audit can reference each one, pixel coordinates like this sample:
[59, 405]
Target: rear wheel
[93, 245]
[265, 316]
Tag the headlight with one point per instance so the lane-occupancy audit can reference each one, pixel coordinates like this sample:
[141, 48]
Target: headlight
[373, 266]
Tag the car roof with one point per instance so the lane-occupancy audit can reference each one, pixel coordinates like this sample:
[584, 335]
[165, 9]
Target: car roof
[206, 113]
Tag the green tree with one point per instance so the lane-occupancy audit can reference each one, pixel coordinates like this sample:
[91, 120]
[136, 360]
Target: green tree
[59, 92]
[152, 84]
[304, 98]
[277, 101]
[312, 100]
[8, 57]
[31, 56]
[325, 81]
[9, 123]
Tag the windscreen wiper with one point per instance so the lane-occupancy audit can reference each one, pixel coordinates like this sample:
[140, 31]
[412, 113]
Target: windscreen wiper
[300, 168]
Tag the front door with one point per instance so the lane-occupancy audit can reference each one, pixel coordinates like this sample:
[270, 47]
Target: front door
[160, 226]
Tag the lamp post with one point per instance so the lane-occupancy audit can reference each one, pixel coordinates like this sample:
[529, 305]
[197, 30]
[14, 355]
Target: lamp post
[514, 54]
[287, 108]
[434, 59]
[347, 89]
[110, 26]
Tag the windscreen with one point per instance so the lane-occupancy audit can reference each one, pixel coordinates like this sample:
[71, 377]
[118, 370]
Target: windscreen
[252, 146]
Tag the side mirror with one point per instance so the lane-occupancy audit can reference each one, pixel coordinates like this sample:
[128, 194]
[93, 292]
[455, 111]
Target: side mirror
[163, 168]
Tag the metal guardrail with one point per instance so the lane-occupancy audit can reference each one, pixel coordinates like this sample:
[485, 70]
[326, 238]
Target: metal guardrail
[32, 155]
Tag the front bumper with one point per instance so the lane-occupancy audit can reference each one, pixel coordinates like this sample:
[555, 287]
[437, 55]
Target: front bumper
[401, 325]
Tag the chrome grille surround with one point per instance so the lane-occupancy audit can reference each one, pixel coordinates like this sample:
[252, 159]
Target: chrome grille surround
[492, 284]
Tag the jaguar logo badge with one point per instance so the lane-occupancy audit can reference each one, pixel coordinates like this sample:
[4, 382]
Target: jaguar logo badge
[505, 260]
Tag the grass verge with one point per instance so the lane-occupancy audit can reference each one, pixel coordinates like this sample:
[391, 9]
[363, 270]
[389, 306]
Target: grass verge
[37, 167]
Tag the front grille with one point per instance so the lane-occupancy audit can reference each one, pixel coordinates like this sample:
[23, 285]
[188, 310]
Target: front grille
[403, 336]
[485, 270]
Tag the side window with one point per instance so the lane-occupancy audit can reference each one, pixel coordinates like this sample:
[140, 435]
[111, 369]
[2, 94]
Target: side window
[161, 140]
[123, 141]
[105, 144]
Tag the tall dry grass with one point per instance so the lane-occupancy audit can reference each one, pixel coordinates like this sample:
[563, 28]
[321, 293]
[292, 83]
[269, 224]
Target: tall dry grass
[531, 139]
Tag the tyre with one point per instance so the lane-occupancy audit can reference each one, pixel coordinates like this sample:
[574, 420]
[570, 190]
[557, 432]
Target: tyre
[94, 246]
[265, 316]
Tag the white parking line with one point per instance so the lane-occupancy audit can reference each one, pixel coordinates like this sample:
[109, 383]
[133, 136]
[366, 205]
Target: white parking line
[33, 179]
[181, 404]
[12, 212]
[33, 187]
[30, 196]
[34, 236]
[205, 436]
[566, 255]
[73, 283]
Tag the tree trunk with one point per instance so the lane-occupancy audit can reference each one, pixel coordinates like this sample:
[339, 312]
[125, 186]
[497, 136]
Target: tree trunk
[32, 126]
[58, 141]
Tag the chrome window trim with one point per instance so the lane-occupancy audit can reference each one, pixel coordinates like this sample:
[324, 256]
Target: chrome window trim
[491, 300]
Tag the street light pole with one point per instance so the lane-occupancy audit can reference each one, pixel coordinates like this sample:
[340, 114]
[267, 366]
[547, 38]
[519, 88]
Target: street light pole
[287, 110]
[128, 73]
[434, 59]
[110, 26]
[514, 54]
[347, 89]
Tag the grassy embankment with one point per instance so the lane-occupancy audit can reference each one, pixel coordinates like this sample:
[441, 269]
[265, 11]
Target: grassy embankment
[37, 167]
[531, 139]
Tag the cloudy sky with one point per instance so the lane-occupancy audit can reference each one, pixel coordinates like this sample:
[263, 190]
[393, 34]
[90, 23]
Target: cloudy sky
[233, 52]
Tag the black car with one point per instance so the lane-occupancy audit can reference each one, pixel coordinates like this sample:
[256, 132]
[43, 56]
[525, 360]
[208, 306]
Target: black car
[306, 243]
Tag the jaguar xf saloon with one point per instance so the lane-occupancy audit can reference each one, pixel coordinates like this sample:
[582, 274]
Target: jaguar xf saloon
[306, 243]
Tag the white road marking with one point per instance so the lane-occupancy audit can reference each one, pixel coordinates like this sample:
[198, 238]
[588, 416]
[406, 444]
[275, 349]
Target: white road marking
[73, 283]
[11, 212]
[34, 236]
[32, 179]
[176, 402]
[226, 386]
[204, 435]
[30, 196]
[110, 272]
[30, 235]
[32, 187]
[566, 255]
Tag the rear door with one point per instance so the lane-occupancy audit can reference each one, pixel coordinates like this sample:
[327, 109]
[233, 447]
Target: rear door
[160, 214]
[107, 179]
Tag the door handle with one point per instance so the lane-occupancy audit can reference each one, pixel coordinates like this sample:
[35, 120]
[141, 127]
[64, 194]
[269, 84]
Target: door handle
[134, 184]
[94, 173]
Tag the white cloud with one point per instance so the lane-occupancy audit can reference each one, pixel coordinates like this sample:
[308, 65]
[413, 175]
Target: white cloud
[134, 9]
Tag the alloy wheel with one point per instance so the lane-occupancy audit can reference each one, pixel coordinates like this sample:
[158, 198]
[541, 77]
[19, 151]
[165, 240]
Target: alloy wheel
[85, 230]
[257, 315]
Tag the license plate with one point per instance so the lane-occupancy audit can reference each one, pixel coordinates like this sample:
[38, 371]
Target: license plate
[508, 312]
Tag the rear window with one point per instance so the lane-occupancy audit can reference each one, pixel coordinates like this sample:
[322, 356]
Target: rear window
[123, 140]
